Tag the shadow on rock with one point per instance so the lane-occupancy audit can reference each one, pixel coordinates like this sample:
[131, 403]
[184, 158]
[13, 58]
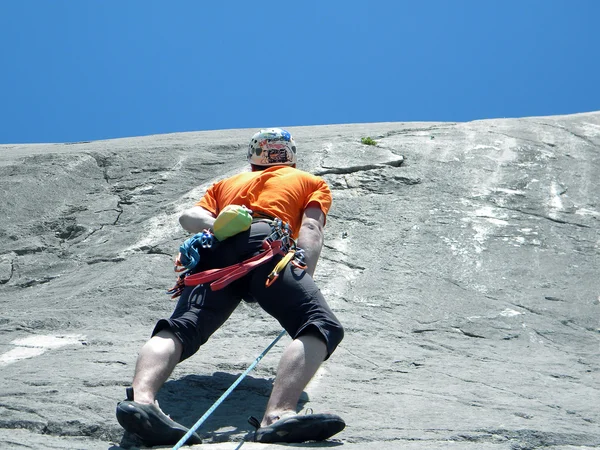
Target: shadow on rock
[187, 399]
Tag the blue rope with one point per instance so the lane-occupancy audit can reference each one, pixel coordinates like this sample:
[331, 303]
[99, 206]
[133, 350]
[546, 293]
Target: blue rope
[226, 393]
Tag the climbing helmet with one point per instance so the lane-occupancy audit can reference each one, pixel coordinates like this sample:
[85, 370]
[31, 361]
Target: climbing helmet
[272, 147]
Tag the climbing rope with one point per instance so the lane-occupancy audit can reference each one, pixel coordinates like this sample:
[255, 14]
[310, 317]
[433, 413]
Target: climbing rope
[220, 400]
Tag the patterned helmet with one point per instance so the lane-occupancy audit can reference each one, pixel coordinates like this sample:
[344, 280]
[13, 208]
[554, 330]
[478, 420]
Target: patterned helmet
[272, 147]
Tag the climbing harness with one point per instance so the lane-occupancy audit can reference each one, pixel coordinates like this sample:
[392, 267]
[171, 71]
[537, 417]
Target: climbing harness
[210, 410]
[279, 242]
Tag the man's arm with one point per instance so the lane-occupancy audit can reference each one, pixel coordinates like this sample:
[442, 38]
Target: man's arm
[310, 238]
[196, 219]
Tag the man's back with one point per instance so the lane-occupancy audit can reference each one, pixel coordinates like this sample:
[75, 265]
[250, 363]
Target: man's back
[278, 191]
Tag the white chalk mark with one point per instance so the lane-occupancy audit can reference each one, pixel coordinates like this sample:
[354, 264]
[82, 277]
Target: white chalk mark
[498, 222]
[508, 191]
[590, 129]
[33, 346]
[555, 203]
[587, 212]
[510, 313]
[484, 147]
[17, 354]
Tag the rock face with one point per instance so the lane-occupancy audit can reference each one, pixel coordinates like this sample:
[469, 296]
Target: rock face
[462, 258]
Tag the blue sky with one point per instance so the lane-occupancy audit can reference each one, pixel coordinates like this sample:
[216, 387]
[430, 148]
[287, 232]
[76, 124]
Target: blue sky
[89, 69]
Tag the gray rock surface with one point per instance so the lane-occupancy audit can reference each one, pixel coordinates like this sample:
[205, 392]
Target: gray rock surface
[462, 259]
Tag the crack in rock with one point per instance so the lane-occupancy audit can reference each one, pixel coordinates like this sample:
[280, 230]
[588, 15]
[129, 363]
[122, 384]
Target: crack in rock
[469, 334]
[361, 168]
[530, 439]
[29, 251]
[103, 163]
[519, 138]
[332, 248]
[361, 358]
[11, 273]
[154, 250]
[531, 310]
[542, 216]
[558, 127]
[411, 130]
[344, 263]
[101, 260]
[37, 281]
[119, 211]
[554, 299]
[21, 409]
[94, 231]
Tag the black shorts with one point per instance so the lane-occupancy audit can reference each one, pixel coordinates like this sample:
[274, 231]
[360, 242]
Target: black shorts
[293, 299]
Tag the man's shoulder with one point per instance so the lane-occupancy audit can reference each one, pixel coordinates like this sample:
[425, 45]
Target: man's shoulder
[238, 176]
[298, 172]
[274, 171]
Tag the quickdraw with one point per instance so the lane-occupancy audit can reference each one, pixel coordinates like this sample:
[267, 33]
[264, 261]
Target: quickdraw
[279, 242]
[189, 256]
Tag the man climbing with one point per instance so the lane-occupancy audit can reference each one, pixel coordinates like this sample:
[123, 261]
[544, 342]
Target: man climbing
[236, 223]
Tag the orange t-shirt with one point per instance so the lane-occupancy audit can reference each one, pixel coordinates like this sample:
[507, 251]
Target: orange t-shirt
[280, 191]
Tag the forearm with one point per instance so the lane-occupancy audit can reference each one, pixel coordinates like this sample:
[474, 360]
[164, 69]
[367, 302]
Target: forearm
[310, 240]
[196, 219]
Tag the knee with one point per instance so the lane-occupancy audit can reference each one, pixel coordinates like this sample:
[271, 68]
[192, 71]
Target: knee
[336, 335]
[330, 333]
[166, 343]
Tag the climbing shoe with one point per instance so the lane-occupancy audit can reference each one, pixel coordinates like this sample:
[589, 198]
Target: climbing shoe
[150, 424]
[299, 428]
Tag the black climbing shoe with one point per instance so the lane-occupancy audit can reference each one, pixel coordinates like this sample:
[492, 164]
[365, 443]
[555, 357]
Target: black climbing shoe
[293, 429]
[151, 425]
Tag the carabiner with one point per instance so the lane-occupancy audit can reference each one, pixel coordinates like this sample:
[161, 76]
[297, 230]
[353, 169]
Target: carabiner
[279, 267]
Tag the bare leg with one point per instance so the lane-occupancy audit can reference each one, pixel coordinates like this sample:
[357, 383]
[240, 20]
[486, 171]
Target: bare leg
[297, 366]
[157, 359]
